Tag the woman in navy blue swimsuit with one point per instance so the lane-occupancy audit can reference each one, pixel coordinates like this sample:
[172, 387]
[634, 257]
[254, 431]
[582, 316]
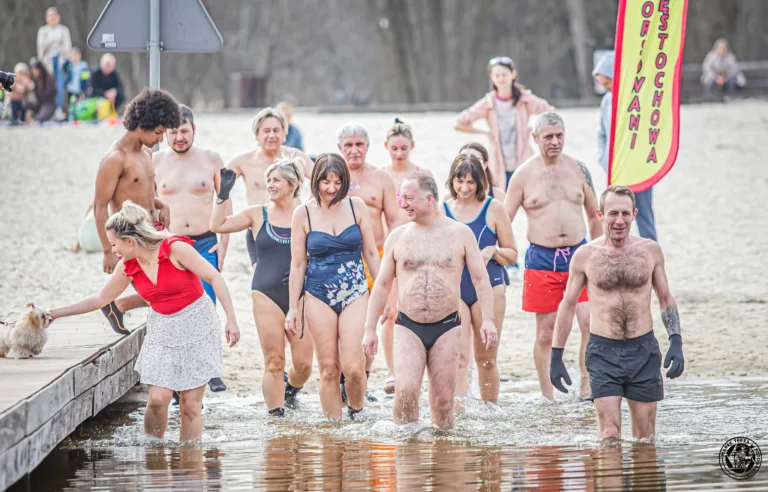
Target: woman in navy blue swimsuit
[270, 224]
[330, 236]
[471, 205]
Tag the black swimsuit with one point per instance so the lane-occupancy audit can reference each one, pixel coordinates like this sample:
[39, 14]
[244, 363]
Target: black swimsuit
[428, 333]
[273, 246]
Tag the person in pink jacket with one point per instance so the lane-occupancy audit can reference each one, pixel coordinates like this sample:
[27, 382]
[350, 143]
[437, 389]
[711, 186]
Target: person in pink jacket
[506, 108]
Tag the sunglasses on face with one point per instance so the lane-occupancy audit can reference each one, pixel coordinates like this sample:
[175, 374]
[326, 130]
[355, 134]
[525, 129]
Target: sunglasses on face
[289, 163]
[505, 60]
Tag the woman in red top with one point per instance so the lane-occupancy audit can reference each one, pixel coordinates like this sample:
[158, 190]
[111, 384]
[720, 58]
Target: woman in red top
[182, 348]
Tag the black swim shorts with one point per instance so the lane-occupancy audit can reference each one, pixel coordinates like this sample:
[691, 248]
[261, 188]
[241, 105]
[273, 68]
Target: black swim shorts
[628, 368]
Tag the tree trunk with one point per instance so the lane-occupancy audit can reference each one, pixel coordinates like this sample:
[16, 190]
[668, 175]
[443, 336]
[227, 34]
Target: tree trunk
[577, 19]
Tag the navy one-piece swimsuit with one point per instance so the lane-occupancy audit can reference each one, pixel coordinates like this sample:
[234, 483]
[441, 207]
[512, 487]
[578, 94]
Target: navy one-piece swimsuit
[335, 273]
[485, 237]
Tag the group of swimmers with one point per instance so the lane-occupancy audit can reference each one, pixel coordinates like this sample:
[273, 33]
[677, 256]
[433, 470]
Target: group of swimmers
[377, 246]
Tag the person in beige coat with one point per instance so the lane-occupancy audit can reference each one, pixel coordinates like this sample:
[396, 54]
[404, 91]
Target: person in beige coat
[53, 46]
[507, 109]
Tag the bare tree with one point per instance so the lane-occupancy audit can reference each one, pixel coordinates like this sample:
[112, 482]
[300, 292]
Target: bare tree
[577, 17]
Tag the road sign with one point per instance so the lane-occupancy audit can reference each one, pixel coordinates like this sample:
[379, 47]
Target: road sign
[185, 26]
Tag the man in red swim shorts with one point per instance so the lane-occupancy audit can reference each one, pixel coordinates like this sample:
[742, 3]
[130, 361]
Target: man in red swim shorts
[553, 188]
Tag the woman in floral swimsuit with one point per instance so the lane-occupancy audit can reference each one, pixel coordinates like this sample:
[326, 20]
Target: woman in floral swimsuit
[329, 238]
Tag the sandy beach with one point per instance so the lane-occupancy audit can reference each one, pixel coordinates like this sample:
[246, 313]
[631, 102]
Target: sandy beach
[709, 212]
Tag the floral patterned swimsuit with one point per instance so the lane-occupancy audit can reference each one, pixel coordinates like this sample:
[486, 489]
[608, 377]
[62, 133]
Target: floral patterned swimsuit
[335, 273]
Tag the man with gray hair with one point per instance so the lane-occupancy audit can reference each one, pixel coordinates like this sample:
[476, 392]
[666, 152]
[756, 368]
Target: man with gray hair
[376, 188]
[428, 328]
[269, 126]
[552, 188]
[106, 81]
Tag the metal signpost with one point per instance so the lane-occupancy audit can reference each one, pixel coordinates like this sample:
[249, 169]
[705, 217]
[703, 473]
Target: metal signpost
[155, 26]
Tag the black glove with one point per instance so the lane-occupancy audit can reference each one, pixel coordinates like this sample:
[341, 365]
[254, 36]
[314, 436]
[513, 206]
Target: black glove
[675, 356]
[7, 80]
[228, 178]
[557, 370]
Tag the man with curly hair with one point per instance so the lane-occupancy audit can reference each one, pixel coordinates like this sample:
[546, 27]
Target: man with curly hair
[126, 173]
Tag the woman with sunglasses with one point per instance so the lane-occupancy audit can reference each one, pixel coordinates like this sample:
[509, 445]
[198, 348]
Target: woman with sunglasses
[271, 226]
[507, 109]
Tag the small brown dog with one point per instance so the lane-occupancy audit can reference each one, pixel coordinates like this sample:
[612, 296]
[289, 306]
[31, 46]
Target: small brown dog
[27, 337]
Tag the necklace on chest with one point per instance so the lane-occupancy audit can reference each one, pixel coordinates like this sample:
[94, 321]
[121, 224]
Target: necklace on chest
[356, 186]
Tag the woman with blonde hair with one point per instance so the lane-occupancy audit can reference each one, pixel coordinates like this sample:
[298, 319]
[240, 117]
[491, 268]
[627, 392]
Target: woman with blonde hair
[182, 347]
[507, 109]
[271, 226]
[399, 143]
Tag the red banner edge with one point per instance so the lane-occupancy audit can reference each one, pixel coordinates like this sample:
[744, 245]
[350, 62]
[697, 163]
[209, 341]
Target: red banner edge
[618, 44]
[675, 144]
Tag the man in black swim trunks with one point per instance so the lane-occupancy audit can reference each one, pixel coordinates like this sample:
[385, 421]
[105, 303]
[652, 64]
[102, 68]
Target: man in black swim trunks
[427, 333]
[622, 356]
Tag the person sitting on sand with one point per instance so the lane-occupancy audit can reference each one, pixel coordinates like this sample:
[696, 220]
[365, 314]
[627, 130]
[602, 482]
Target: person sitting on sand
[720, 70]
[182, 348]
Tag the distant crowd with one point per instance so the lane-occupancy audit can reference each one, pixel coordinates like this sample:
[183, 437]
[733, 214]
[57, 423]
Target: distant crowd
[58, 85]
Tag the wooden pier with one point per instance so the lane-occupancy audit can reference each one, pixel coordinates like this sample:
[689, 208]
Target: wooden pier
[84, 367]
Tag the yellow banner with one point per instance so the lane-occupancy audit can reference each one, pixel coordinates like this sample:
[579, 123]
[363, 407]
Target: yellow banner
[645, 130]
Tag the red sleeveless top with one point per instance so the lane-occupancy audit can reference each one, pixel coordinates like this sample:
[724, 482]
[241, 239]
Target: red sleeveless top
[175, 289]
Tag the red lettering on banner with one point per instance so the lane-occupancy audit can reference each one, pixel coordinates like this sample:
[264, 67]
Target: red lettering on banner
[634, 122]
[639, 66]
[634, 138]
[657, 98]
[652, 156]
[653, 134]
[655, 116]
[634, 105]
[657, 80]
[638, 84]
[664, 9]
[648, 9]
[644, 28]
[661, 60]
[662, 37]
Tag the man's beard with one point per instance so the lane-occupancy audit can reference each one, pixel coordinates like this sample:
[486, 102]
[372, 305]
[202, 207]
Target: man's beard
[181, 151]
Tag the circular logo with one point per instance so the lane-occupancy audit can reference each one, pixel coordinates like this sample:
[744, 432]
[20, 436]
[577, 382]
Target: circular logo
[740, 458]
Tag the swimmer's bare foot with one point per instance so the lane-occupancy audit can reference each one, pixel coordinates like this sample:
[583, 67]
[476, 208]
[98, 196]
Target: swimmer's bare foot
[75, 248]
[586, 391]
[389, 385]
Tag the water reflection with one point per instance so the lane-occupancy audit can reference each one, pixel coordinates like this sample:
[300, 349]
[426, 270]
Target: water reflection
[521, 445]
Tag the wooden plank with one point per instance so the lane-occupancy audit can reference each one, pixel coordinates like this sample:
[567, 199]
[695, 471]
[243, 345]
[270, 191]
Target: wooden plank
[119, 355]
[114, 387]
[59, 427]
[14, 464]
[87, 375]
[13, 426]
[49, 401]
[70, 342]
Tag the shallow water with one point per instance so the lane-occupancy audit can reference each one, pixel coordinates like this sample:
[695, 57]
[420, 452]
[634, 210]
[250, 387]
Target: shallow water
[523, 444]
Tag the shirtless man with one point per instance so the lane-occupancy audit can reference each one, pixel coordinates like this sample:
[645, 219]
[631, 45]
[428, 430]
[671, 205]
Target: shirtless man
[428, 329]
[552, 188]
[377, 189]
[269, 126]
[126, 173]
[187, 179]
[620, 272]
